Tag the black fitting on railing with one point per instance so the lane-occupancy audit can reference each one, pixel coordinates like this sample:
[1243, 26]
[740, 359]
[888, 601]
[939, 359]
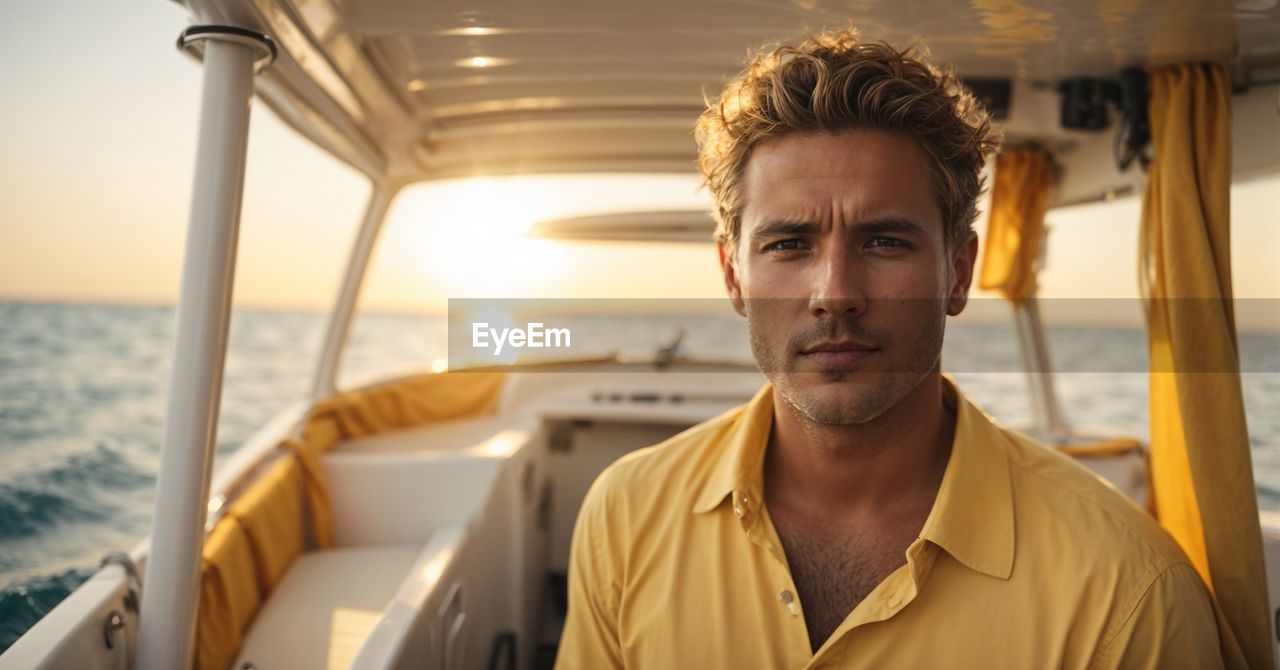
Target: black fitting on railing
[121, 559]
[191, 41]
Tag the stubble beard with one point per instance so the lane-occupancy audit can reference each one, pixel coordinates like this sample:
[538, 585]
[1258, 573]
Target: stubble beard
[862, 396]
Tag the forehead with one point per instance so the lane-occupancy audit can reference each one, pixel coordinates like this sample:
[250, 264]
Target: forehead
[857, 173]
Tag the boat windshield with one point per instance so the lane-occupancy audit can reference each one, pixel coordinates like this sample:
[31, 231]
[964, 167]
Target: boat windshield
[456, 254]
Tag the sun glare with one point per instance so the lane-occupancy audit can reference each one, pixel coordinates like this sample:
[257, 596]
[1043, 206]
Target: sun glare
[473, 237]
[470, 239]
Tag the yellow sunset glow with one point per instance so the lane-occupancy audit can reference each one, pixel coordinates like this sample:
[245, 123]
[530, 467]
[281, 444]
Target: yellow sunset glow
[468, 239]
[475, 236]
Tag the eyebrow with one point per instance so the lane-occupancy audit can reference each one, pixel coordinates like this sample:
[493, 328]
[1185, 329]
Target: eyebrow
[878, 226]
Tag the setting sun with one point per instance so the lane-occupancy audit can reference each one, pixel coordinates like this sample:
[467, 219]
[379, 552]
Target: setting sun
[472, 239]
[469, 239]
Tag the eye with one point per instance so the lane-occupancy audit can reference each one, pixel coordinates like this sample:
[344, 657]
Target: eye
[887, 243]
[785, 245]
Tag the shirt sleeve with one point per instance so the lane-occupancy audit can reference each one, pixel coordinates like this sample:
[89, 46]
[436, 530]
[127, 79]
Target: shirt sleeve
[590, 637]
[1173, 625]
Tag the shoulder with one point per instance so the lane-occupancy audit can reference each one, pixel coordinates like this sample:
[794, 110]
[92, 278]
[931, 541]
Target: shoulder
[1083, 539]
[1070, 521]
[1057, 495]
[1172, 623]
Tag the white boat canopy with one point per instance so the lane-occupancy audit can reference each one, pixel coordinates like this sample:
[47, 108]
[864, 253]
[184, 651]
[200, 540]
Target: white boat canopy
[409, 91]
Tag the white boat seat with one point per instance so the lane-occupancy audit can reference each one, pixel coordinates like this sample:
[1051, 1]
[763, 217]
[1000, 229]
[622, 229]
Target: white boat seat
[455, 435]
[324, 607]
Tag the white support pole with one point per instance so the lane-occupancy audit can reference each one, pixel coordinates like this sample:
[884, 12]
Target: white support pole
[1026, 355]
[335, 337]
[1034, 350]
[171, 588]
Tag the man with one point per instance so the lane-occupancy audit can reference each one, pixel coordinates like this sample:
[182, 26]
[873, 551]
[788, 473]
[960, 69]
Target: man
[859, 511]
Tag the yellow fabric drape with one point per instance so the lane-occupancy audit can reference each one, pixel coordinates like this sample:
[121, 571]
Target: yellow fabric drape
[245, 555]
[1202, 487]
[270, 512]
[229, 596]
[1015, 231]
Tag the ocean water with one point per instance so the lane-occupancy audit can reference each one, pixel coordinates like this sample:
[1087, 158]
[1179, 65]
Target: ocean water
[82, 395]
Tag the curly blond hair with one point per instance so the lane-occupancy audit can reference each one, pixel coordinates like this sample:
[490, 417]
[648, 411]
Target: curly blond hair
[834, 82]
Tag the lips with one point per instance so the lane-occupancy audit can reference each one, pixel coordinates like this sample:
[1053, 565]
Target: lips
[838, 354]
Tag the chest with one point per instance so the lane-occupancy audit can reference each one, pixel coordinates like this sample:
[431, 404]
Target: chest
[707, 595]
[836, 568]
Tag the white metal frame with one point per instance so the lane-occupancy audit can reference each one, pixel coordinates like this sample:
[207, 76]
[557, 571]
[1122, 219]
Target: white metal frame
[339, 327]
[169, 604]
[171, 588]
[1034, 350]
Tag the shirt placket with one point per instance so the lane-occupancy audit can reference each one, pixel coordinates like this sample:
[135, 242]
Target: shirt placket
[748, 507]
[886, 600]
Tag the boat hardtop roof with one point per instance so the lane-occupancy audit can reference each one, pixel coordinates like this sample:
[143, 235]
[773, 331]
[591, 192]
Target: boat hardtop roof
[451, 89]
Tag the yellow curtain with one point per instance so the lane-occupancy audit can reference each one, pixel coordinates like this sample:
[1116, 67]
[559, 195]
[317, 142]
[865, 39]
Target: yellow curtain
[1202, 487]
[1015, 229]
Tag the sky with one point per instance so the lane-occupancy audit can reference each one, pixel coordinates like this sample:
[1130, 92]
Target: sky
[98, 129]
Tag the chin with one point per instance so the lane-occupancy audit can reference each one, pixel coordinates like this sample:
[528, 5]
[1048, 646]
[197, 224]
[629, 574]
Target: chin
[844, 398]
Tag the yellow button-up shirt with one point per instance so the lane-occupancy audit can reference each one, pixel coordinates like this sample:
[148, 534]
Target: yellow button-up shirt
[1027, 560]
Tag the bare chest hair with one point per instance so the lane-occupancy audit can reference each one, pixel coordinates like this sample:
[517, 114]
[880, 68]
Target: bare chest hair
[835, 569]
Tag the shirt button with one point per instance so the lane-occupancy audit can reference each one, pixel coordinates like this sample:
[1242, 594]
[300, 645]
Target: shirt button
[785, 597]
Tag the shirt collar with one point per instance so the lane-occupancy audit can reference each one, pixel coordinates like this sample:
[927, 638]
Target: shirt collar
[972, 517]
[740, 466]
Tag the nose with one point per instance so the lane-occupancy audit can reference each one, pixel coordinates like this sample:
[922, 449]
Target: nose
[837, 285]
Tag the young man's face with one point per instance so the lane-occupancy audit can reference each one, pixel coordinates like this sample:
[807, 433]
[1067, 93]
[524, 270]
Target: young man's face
[842, 271]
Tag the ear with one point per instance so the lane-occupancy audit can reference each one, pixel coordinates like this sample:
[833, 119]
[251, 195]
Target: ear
[962, 262]
[728, 266]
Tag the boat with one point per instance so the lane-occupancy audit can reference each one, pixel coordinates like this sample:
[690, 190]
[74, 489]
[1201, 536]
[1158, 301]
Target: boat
[423, 520]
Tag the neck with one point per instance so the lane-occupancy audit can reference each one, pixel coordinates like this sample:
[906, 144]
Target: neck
[865, 469]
